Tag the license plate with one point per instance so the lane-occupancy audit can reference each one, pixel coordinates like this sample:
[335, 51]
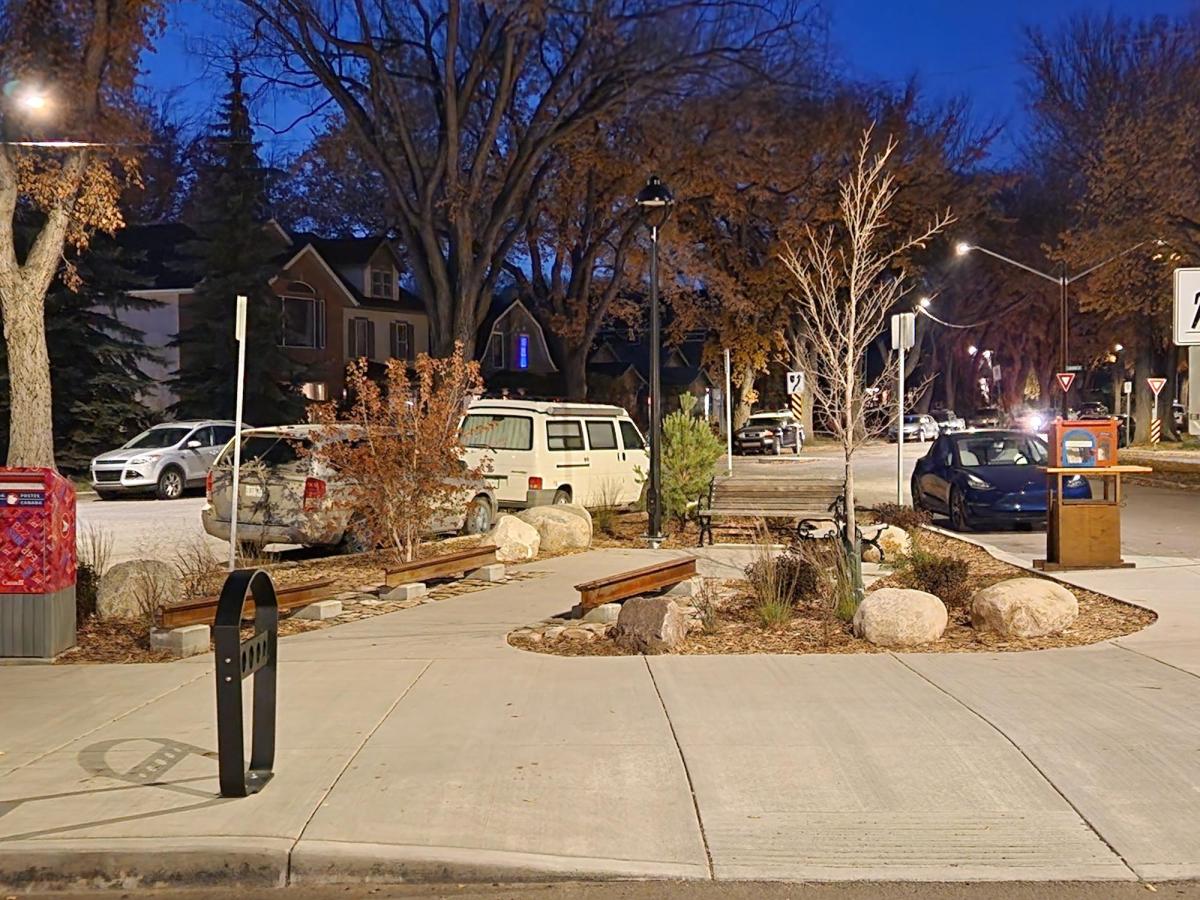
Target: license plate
[252, 491]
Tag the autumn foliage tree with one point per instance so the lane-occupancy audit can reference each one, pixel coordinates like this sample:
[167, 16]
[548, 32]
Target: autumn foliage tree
[80, 57]
[398, 448]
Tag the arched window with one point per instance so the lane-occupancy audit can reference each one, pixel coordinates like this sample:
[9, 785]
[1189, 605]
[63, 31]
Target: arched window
[303, 314]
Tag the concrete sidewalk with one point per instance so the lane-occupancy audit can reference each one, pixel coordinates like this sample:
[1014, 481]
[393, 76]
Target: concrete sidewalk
[419, 745]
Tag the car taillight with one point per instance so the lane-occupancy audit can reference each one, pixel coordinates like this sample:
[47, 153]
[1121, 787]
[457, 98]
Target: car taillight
[535, 483]
[314, 492]
[208, 480]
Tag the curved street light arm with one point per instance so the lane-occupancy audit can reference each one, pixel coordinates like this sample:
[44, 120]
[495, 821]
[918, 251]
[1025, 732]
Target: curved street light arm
[1012, 262]
[1102, 264]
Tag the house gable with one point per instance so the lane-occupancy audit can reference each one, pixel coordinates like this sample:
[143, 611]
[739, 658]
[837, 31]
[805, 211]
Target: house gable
[517, 343]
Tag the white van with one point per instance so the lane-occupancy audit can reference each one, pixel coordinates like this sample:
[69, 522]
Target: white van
[534, 453]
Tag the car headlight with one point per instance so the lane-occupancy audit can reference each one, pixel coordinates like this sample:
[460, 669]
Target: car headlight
[978, 483]
[141, 460]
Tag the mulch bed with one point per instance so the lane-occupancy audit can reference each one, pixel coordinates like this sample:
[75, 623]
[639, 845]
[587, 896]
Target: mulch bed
[814, 630]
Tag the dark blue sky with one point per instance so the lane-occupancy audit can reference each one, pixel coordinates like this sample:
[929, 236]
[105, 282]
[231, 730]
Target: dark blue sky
[954, 47]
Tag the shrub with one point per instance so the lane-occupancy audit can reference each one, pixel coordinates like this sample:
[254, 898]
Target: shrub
[604, 511]
[87, 589]
[901, 516]
[707, 605]
[834, 577]
[773, 581]
[940, 574]
[799, 579]
[690, 452]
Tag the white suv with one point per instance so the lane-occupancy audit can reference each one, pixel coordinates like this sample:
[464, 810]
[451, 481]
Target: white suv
[164, 460]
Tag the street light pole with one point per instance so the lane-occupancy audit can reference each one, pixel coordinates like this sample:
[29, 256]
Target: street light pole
[655, 203]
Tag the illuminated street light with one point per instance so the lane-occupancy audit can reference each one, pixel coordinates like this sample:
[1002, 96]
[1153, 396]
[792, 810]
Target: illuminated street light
[972, 349]
[924, 302]
[32, 100]
[1117, 348]
[962, 248]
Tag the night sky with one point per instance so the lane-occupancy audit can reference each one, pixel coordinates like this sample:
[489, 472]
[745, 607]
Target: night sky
[954, 47]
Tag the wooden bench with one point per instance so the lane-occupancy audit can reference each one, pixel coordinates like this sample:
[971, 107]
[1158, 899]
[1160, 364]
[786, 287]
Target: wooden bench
[807, 500]
[624, 585]
[202, 612]
[448, 565]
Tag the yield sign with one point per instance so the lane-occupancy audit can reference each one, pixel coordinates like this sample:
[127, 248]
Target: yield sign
[1065, 380]
[1156, 384]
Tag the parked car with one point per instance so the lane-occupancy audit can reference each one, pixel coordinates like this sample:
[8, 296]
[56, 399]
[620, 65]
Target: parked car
[988, 477]
[985, 417]
[917, 427]
[948, 421]
[1179, 416]
[164, 460]
[535, 452]
[769, 432]
[288, 496]
[1092, 409]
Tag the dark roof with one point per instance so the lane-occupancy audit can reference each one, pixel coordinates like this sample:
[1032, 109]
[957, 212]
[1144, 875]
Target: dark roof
[154, 252]
[613, 370]
[342, 251]
[637, 354]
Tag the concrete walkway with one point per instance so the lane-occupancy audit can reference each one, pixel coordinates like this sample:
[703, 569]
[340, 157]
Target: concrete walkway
[420, 746]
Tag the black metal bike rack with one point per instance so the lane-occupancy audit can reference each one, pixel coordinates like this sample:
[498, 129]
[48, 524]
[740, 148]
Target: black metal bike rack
[236, 661]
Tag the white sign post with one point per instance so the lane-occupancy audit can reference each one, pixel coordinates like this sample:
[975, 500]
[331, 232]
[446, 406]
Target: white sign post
[239, 332]
[1187, 334]
[904, 335]
[1127, 387]
[1156, 385]
[728, 413]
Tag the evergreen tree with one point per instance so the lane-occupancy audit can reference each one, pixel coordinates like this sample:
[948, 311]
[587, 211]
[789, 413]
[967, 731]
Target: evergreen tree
[95, 375]
[231, 255]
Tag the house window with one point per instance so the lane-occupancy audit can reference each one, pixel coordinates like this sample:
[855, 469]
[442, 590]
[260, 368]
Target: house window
[303, 314]
[402, 341]
[383, 283]
[497, 349]
[522, 351]
[360, 338]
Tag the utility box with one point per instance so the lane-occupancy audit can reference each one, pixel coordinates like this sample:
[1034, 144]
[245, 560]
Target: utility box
[37, 563]
[1083, 443]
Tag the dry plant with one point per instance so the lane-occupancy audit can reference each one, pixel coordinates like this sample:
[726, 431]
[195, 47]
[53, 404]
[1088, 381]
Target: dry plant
[771, 583]
[848, 279]
[94, 548]
[708, 606]
[604, 512]
[200, 572]
[149, 594]
[399, 450]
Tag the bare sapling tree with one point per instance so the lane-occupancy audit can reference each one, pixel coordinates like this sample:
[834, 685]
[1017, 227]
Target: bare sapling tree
[848, 278]
[67, 119]
[398, 451]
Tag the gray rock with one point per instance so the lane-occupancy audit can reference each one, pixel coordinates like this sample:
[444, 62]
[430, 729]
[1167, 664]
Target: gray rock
[1024, 608]
[605, 613]
[560, 528]
[899, 617]
[689, 588]
[515, 541]
[553, 632]
[895, 542]
[578, 635]
[132, 590]
[650, 625]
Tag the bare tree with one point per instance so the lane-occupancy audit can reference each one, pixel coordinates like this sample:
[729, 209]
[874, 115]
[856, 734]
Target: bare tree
[460, 105]
[847, 281]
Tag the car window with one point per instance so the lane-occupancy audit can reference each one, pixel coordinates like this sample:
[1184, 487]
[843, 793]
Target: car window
[1001, 450]
[204, 435]
[768, 421]
[601, 435]
[631, 437]
[269, 449]
[497, 432]
[157, 439]
[222, 434]
[564, 435]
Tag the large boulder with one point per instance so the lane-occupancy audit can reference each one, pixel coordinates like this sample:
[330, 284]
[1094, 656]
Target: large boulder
[650, 625]
[515, 541]
[899, 617]
[560, 528]
[893, 540]
[577, 510]
[134, 589]
[1023, 608]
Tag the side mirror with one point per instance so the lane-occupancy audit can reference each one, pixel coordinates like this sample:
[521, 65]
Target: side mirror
[193, 444]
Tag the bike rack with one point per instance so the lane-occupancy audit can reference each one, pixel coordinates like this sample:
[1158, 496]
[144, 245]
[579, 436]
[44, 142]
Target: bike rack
[236, 661]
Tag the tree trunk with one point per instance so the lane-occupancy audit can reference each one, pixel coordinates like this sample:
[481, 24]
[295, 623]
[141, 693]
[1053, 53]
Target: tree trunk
[1143, 397]
[745, 392]
[30, 426]
[574, 369]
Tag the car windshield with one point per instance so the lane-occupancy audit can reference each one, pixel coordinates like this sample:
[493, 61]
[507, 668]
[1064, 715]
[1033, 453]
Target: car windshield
[943, 415]
[269, 449]
[766, 422]
[1001, 450]
[912, 420]
[157, 439]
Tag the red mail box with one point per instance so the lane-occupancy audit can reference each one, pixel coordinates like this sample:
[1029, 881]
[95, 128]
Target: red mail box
[37, 563]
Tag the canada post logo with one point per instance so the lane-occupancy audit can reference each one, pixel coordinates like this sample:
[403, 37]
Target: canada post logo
[25, 498]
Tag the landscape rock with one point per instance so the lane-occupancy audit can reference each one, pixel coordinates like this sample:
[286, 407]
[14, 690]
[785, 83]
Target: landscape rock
[553, 632]
[1024, 608]
[895, 542]
[578, 635]
[900, 617]
[576, 510]
[559, 527]
[128, 588]
[650, 625]
[605, 613]
[515, 541]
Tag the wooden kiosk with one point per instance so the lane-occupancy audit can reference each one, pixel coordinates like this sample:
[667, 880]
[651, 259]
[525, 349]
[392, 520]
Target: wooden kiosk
[1084, 534]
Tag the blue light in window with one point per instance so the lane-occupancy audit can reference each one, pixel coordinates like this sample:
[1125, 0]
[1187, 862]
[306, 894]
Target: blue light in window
[522, 351]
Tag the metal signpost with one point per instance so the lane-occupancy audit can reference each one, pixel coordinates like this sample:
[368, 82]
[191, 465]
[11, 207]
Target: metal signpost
[239, 332]
[1187, 334]
[1156, 385]
[1127, 387]
[904, 333]
[795, 389]
[1065, 380]
[728, 414]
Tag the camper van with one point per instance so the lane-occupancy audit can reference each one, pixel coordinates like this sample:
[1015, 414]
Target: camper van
[535, 453]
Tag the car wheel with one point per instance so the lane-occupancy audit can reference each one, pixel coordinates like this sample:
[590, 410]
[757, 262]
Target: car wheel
[960, 519]
[915, 488]
[170, 484]
[561, 496]
[776, 451]
[797, 447]
[353, 539]
[479, 516]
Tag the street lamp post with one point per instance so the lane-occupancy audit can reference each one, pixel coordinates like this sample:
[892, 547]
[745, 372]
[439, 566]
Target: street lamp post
[1064, 281]
[655, 203]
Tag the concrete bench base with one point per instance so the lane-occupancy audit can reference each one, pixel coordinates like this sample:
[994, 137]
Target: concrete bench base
[187, 640]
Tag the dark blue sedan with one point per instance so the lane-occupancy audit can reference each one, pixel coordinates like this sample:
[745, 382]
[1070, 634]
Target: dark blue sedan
[988, 477]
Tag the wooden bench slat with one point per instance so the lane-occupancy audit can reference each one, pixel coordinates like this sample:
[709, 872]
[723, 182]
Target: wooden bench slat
[448, 564]
[203, 612]
[624, 585]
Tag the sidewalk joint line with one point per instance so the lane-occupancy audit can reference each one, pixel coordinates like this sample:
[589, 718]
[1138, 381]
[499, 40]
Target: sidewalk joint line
[349, 762]
[1116, 642]
[686, 771]
[996, 728]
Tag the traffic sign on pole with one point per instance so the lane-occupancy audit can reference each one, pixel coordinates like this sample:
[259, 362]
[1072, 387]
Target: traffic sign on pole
[1065, 380]
[1187, 307]
[795, 382]
[1156, 384]
[1155, 430]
